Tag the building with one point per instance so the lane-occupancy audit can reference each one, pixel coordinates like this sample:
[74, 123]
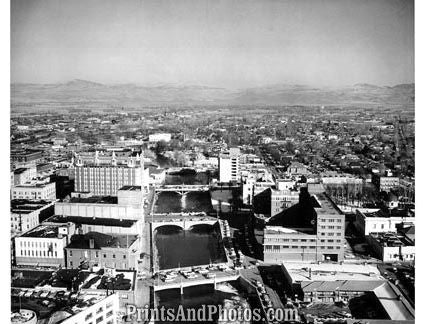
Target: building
[102, 250]
[284, 196]
[23, 175]
[158, 137]
[27, 214]
[106, 179]
[252, 187]
[228, 165]
[311, 230]
[36, 191]
[329, 283]
[85, 308]
[385, 183]
[296, 168]
[24, 316]
[26, 155]
[391, 247]
[43, 245]
[127, 204]
[380, 222]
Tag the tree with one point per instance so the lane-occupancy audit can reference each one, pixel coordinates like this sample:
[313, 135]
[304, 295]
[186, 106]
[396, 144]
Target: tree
[160, 147]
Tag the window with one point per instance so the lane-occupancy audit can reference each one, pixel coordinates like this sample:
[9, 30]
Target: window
[113, 256]
[99, 310]
[70, 253]
[97, 254]
[124, 256]
[382, 226]
[88, 316]
[295, 246]
[104, 256]
[70, 263]
[99, 319]
[108, 314]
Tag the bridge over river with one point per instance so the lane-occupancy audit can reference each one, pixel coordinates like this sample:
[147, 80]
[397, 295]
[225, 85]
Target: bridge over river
[181, 283]
[182, 189]
[184, 223]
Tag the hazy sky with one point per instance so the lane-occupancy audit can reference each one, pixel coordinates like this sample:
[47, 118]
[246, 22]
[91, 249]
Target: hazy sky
[229, 43]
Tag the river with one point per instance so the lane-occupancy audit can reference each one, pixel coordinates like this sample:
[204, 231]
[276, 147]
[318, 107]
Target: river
[183, 248]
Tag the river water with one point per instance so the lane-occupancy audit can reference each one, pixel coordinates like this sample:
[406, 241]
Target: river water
[184, 248]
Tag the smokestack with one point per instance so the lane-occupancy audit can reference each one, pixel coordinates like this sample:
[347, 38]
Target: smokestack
[91, 243]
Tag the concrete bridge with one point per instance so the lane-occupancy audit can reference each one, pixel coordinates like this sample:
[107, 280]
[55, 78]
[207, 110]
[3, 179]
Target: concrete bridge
[181, 283]
[183, 223]
[182, 189]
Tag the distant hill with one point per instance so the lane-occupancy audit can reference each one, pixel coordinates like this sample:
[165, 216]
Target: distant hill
[78, 92]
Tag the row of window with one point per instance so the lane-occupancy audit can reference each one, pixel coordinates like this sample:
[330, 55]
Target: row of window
[331, 227]
[36, 253]
[105, 256]
[331, 220]
[277, 248]
[37, 244]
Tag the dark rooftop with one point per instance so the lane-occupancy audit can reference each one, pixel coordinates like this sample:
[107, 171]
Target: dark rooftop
[95, 200]
[132, 188]
[101, 240]
[92, 221]
[43, 231]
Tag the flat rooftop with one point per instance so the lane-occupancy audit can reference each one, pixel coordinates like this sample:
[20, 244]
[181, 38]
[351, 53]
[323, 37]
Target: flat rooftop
[34, 185]
[43, 231]
[301, 272]
[131, 188]
[95, 200]
[92, 221]
[396, 212]
[23, 205]
[390, 239]
[326, 205]
[100, 241]
[54, 312]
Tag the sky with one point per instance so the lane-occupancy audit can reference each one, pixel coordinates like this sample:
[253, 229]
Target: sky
[223, 43]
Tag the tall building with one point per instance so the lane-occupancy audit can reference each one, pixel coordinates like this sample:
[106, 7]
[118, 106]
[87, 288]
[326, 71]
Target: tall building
[228, 165]
[105, 179]
[312, 230]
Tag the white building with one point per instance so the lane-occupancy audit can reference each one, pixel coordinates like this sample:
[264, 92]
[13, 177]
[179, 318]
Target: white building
[380, 222]
[127, 205]
[391, 247]
[166, 137]
[25, 216]
[43, 245]
[228, 164]
[38, 191]
[104, 310]
[23, 175]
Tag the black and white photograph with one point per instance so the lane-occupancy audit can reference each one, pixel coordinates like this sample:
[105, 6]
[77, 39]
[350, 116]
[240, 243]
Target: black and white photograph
[210, 161]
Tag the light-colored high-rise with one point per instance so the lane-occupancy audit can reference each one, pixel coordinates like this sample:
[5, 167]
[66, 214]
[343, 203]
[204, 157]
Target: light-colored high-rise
[106, 179]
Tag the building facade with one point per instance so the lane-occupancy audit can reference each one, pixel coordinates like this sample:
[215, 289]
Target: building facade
[43, 245]
[380, 222]
[106, 180]
[43, 191]
[101, 250]
[228, 165]
[321, 240]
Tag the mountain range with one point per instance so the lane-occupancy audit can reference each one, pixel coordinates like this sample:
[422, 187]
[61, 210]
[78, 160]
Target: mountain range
[77, 92]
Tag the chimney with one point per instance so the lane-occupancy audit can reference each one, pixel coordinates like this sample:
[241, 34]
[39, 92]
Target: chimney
[91, 243]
